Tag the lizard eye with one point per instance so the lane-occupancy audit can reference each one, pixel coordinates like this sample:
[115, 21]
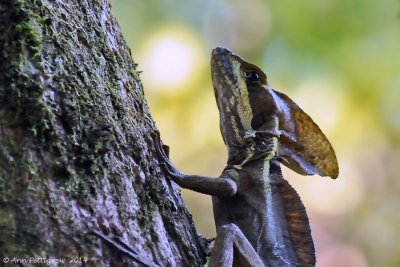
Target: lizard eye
[252, 76]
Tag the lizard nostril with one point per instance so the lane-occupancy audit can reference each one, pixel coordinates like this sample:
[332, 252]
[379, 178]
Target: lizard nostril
[221, 51]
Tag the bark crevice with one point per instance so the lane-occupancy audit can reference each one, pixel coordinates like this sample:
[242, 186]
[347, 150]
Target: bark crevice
[73, 152]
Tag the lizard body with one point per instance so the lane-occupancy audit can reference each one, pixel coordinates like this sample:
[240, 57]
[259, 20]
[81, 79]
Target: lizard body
[259, 217]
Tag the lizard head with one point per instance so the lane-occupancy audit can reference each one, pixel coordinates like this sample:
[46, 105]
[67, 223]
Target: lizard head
[250, 108]
[245, 104]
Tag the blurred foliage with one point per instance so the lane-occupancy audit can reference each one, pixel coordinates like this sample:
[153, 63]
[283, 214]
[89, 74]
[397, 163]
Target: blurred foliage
[337, 59]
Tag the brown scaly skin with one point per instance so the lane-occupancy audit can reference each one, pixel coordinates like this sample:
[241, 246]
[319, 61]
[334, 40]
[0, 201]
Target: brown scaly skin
[259, 217]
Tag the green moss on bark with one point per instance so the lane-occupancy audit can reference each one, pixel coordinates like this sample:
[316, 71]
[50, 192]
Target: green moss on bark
[73, 152]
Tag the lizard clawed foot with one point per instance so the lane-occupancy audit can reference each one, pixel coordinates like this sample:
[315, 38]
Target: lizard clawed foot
[163, 153]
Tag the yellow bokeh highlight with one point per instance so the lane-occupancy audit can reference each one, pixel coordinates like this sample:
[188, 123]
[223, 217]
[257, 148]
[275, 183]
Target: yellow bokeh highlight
[326, 103]
[170, 58]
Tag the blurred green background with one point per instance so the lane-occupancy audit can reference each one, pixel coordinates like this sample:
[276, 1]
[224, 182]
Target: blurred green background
[339, 60]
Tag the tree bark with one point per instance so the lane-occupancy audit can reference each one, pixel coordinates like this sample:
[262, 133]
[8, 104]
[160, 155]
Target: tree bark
[74, 156]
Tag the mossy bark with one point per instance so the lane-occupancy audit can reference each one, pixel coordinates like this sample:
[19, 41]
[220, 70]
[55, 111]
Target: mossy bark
[73, 150]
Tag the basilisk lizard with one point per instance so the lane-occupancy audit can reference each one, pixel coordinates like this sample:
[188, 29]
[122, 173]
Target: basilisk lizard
[260, 219]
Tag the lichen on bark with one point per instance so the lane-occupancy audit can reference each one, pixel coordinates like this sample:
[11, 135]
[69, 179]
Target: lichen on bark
[73, 150]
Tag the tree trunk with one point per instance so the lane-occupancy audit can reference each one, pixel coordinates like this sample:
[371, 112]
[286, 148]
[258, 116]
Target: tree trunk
[74, 156]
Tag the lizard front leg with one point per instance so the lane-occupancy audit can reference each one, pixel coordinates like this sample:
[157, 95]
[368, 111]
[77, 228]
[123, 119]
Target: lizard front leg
[219, 187]
[232, 248]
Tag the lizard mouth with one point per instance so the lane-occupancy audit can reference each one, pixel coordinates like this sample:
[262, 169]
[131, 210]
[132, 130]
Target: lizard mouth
[225, 69]
[222, 66]
[222, 70]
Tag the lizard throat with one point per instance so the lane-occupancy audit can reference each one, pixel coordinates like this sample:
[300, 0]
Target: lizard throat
[254, 148]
